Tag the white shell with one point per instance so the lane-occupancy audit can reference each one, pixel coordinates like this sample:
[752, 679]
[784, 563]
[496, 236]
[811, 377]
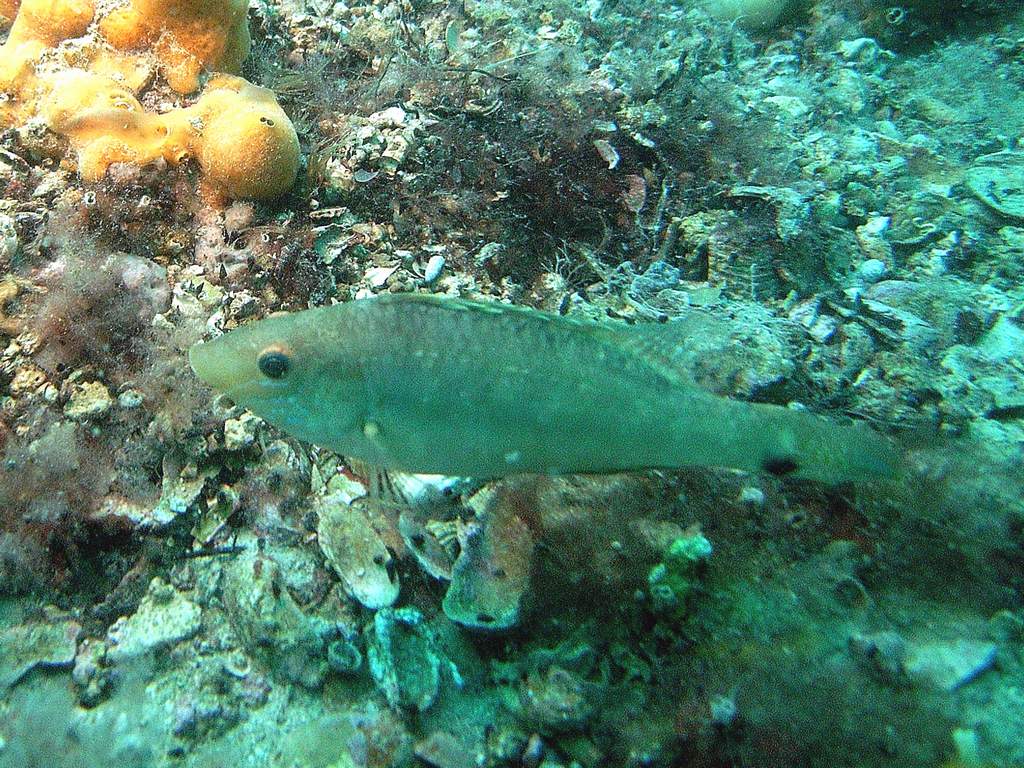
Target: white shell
[433, 268]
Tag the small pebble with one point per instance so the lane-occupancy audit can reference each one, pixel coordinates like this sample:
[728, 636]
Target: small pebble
[90, 400]
[723, 711]
[872, 270]
[433, 269]
[130, 398]
[752, 496]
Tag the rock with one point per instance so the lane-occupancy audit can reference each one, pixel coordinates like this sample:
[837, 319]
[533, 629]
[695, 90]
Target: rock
[967, 744]
[164, 617]
[180, 489]
[672, 581]
[344, 657]
[392, 117]
[793, 211]
[997, 180]
[130, 398]
[422, 541]
[51, 184]
[90, 672]
[977, 385]
[823, 328]
[884, 652]
[356, 552]
[1004, 341]
[270, 623]
[746, 358]
[595, 530]
[403, 657]
[378, 276]
[554, 700]
[20, 559]
[240, 433]
[723, 710]
[872, 270]
[805, 312]
[752, 496]
[865, 50]
[285, 473]
[418, 490]
[819, 327]
[554, 689]
[659, 276]
[24, 647]
[443, 750]
[891, 308]
[433, 269]
[8, 238]
[948, 665]
[362, 734]
[89, 401]
[872, 240]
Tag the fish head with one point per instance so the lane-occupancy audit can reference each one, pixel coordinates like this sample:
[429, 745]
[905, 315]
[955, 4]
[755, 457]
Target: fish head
[287, 370]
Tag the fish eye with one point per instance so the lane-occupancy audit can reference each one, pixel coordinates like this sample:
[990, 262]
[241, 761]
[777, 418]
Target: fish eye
[274, 362]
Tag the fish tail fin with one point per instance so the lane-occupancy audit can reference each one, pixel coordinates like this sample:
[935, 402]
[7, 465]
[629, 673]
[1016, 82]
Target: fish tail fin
[956, 513]
[789, 442]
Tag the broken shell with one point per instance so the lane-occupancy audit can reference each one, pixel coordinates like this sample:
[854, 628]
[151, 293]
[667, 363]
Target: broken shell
[356, 552]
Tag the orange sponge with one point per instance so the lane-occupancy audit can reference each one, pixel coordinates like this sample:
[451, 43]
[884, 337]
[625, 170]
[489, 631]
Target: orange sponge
[8, 8]
[248, 146]
[243, 142]
[185, 36]
[47, 22]
[38, 25]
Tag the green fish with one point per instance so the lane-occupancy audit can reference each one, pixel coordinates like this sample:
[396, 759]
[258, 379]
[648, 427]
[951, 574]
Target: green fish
[438, 385]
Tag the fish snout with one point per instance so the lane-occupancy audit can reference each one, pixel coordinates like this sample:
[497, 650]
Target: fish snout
[215, 366]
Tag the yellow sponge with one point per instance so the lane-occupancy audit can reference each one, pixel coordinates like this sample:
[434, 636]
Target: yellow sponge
[243, 142]
[248, 146]
[185, 36]
[105, 123]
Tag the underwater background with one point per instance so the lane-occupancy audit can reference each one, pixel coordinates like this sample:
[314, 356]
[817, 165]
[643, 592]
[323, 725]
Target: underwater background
[824, 197]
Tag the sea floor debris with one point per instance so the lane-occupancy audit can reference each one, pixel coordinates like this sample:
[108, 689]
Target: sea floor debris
[824, 197]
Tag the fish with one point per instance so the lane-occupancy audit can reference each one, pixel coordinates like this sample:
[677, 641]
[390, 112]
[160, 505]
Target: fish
[440, 385]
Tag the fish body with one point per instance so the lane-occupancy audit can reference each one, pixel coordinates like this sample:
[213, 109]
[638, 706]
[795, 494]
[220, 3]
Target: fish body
[448, 386]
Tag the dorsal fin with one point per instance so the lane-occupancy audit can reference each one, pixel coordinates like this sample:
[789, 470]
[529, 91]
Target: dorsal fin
[663, 345]
[486, 307]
